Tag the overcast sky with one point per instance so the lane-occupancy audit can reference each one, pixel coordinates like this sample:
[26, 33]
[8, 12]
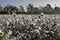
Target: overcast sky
[36, 3]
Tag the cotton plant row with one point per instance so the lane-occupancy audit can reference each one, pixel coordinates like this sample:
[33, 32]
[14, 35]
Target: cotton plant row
[20, 28]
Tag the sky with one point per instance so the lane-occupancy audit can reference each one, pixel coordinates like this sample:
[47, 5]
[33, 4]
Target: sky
[36, 3]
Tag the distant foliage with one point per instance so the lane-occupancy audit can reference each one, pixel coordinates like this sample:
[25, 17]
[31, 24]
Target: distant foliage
[30, 9]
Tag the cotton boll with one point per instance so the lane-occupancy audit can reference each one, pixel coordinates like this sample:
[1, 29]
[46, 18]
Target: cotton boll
[45, 35]
[52, 18]
[22, 23]
[13, 38]
[40, 28]
[7, 23]
[52, 32]
[34, 24]
[41, 24]
[9, 32]
[9, 19]
[36, 30]
[22, 34]
[47, 20]
[46, 31]
[58, 25]
[52, 22]
[42, 14]
[36, 27]
[35, 21]
[1, 32]
[17, 19]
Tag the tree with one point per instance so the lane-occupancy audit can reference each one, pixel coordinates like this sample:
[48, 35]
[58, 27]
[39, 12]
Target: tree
[36, 10]
[21, 9]
[30, 8]
[1, 8]
[10, 9]
[47, 9]
[56, 10]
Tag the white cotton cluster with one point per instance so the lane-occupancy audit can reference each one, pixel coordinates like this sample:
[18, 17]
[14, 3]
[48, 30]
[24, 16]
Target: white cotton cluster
[18, 27]
[1, 33]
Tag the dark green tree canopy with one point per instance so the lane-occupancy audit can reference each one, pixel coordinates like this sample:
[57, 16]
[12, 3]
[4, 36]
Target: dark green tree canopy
[30, 9]
[10, 8]
[21, 8]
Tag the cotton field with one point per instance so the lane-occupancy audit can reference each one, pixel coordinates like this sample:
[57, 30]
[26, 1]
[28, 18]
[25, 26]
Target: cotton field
[29, 27]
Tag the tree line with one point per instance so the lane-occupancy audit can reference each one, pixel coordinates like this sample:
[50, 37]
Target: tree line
[30, 9]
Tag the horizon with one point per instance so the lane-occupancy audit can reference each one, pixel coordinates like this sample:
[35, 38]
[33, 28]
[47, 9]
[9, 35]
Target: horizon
[24, 3]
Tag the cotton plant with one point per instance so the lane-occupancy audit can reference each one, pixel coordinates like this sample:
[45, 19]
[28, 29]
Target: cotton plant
[38, 28]
[2, 36]
[47, 24]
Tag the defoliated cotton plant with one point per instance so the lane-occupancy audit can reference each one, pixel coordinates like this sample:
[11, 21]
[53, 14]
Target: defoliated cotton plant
[18, 27]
